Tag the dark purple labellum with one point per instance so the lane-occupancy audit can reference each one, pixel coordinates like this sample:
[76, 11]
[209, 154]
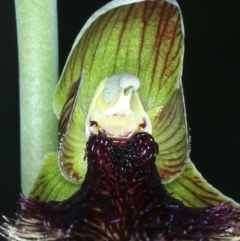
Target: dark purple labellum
[122, 198]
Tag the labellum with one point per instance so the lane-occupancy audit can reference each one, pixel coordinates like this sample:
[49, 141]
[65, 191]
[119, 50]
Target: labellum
[121, 198]
[121, 93]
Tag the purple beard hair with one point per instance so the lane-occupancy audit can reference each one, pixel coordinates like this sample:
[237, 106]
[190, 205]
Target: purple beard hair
[122, 199]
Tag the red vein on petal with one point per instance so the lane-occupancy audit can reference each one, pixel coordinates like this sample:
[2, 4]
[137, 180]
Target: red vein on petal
[193, 193]
[127, 20]
[84, 42]
[176, 128]
[65, 115]
[74, 60]
[42, 190]
[107, 18]
[145, 18]
[173, 163]
[169, 111]
[199, 186]
[37, 188]
[176, 148]
[172, 136]
[160, 30]
[173, 38]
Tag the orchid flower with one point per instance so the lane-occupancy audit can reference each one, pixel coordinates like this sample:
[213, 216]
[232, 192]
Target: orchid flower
[123, 170]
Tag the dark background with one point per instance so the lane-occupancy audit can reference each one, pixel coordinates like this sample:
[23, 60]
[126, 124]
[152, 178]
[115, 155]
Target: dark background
[211, 84]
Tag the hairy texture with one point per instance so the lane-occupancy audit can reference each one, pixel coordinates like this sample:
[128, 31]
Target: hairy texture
[122, 198]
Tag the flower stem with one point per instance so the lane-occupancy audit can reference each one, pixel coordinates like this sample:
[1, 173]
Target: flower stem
[38, 71]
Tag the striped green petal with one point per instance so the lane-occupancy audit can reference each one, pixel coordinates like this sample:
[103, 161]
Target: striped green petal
[194, 191]
[171, 133]
[50, 183]
[145, 39]
[72, 138]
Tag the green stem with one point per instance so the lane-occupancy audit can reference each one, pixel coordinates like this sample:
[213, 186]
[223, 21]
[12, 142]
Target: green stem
[38, 70]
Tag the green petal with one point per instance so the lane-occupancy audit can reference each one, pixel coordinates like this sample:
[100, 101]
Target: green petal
[171, 133]
[50, 183]
[194, 191]
[72, 137]
[143, 38]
